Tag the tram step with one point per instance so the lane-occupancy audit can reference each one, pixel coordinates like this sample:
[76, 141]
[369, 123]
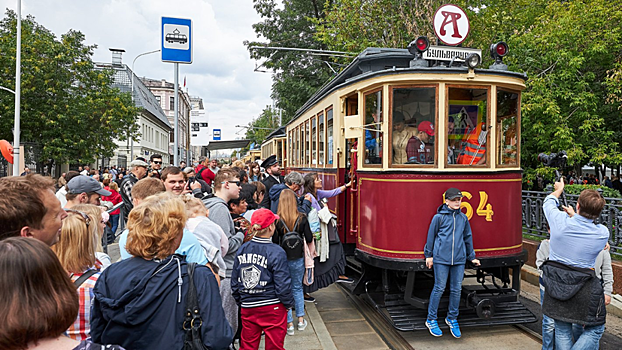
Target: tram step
[405, 317]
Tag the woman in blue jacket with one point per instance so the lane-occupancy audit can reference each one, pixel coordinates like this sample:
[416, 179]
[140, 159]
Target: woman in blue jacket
[141, 302]
[447, 249]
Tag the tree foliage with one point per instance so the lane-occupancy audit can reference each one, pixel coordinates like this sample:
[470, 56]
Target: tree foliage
[260, 128]
[67, 105]
[297, 75]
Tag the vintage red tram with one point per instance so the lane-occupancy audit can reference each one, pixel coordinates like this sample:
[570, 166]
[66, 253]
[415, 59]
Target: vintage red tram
[405, 129]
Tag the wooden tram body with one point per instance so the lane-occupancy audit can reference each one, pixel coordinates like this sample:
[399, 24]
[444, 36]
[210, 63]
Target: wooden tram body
[383, 218]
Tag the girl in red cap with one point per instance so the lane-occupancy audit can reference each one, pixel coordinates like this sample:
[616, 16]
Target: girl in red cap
[261, 285]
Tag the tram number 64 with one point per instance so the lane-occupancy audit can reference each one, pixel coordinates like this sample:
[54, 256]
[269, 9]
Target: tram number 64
[483, 209]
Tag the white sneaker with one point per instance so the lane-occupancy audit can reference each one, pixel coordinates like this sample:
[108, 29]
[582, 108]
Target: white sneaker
[290, 330]
[302, 325]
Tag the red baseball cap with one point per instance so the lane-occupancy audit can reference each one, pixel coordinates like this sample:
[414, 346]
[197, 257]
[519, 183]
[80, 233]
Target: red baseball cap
[263, 217]
[426, 127]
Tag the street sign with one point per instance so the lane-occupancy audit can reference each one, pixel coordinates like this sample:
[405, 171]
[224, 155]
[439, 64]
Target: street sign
[451, 24]
[176, 40]
[216, 134]
[448, 53]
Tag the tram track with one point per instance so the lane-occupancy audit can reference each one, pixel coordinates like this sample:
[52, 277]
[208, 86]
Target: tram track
[389, 335]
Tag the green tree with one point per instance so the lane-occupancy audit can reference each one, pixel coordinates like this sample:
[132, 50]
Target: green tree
[260, 128]
[297, 75]
[67, 106]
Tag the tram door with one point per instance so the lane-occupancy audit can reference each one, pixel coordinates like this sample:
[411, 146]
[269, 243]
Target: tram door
[351, 208]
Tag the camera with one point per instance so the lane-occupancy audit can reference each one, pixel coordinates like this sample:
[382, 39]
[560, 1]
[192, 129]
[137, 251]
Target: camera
[554, 160]
[191, 180]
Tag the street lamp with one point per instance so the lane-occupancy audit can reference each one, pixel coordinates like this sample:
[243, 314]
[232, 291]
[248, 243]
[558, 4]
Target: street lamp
[134, 61]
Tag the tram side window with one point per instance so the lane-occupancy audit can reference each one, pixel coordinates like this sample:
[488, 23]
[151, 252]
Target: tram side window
[314, 141]
[467, 126]
[507, 128]
[321, 139]
[329, 135]
[307, 142]
[373, 133]
[414, 117]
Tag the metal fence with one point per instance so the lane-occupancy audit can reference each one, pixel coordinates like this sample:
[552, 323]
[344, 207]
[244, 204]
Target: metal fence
[534, 222]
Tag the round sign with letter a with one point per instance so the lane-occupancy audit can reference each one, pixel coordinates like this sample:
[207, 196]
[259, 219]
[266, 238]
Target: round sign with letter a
[451, 24]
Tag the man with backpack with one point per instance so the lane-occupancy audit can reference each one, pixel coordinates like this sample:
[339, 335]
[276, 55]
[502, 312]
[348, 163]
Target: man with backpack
[203, 171]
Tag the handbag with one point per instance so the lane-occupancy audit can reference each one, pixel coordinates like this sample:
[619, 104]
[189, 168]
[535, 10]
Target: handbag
[193, 320]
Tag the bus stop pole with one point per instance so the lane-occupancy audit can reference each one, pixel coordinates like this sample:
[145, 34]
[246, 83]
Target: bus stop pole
[18, 91]
[176, 126]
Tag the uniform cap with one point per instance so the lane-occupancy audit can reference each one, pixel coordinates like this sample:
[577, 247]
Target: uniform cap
[263, 217]
[270, 161]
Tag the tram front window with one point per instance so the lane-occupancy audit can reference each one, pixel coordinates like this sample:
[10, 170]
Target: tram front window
[413, 124]
[373, 134]
[467, 126]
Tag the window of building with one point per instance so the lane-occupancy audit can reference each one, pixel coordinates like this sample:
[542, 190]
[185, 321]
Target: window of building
[314, 141]
[373, 133]
[467, 126]
[507, 128]
[329, 135]
[321, 138]
[413, 120]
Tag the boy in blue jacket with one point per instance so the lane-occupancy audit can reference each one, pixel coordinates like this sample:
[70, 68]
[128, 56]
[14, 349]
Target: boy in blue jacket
[447, 249]
[261, 285]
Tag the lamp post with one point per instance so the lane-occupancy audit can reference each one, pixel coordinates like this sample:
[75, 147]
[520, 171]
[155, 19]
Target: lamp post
[18, 90]
[134, 61]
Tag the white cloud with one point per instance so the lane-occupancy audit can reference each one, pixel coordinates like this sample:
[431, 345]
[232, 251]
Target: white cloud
[221, 72]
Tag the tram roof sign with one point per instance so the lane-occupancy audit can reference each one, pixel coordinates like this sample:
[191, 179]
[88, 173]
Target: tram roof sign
[451, 24]
[448, 53]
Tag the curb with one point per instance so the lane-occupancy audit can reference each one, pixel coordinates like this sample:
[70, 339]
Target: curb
[326, 341]
[532, 276]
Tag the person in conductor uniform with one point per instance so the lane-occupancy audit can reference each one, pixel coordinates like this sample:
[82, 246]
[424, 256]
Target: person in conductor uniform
[271, 164]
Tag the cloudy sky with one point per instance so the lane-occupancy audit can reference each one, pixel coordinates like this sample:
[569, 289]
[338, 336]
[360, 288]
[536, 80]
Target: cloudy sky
[221, 73]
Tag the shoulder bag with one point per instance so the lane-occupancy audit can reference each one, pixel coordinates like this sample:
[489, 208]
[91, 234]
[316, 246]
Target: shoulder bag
[193, 320]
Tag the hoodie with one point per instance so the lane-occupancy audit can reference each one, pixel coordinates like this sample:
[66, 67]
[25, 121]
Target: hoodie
[219, 214]
[140, 304]
[449, 238]
[304, 206]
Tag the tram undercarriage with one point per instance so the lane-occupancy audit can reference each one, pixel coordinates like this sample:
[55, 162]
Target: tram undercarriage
[400, 291]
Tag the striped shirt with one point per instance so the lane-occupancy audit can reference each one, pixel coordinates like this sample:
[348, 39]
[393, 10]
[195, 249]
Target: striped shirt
[81, 327]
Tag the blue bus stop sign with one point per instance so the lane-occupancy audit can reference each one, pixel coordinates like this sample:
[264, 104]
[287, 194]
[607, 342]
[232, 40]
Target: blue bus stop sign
[176, 40]
[216, 134]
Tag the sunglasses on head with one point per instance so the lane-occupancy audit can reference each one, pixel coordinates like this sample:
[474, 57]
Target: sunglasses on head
[86, 218]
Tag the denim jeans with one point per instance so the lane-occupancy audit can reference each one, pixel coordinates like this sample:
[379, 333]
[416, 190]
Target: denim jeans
[297, 271]
[588, 340]
[441, 273]
[548, 327]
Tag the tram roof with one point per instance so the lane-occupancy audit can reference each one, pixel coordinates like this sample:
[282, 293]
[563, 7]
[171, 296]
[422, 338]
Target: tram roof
[280, 132]
[383, 61]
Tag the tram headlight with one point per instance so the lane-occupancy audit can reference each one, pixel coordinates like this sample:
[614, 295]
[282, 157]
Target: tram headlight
[419, 45]
[473, 60]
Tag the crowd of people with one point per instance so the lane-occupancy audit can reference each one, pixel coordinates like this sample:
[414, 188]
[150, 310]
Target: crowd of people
[222, 252]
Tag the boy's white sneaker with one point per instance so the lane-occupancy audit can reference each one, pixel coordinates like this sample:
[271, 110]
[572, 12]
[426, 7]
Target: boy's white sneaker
[302, 325]
[290, 330]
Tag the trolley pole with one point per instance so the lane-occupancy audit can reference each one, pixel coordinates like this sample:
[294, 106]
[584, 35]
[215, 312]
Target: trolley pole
[176, 127]
[18, 90]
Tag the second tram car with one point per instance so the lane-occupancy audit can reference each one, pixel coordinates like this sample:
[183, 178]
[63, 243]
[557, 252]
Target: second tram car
[405, 130]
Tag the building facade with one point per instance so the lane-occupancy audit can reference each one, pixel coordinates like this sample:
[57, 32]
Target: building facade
[164, 93]
[154, 127]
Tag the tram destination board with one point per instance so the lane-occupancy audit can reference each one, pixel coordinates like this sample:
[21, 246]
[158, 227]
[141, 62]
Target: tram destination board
[447, 53]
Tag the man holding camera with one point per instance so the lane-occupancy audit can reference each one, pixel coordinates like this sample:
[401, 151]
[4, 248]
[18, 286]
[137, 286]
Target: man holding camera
[573, 293]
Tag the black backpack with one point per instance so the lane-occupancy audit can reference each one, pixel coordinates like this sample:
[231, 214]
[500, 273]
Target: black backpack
[292, 242]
